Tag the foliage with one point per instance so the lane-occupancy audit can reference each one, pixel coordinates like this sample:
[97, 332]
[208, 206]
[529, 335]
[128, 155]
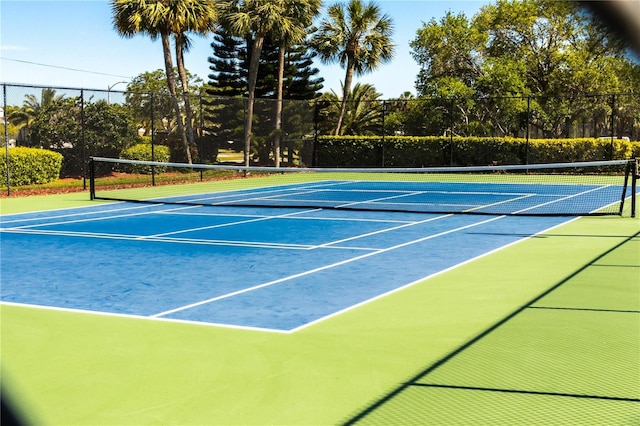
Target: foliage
[31, 166]
[410, 151]
[145, 152]
[363, 114]
[31, 106]
[165, 19]
[255, 20]
[14, 123]
[549, 50]
[225, 65]
[224, 107]
[358, 37]
[148, 93]
[108, 128]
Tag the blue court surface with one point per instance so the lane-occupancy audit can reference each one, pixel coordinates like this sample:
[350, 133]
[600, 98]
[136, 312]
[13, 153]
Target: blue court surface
[251, 267]
[426, 197]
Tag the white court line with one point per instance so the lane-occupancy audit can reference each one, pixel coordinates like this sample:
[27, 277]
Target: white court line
[61, 209]
[563, 199]
[162, 237]
[94, 219]
[296, 329]
[484, 206]
[312, 271]
[144, 318]
[165, 240]
[381, 231]
[221, 225]
[419, 280]
[374, 200]
[33, 219]
[327, 218]
[257, 192]
[428, 191]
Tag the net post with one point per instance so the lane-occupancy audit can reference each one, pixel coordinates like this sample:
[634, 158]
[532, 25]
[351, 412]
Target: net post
[625, 185]
[634, 179]
[92, 179]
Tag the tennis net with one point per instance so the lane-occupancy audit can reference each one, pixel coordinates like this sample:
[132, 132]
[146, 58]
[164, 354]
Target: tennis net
[562, 189]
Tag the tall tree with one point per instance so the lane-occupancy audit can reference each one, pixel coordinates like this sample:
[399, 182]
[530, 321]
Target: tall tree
[301, 77]
[200, 17]
[225, 78]
[302, 13]
[447, 49]
[548, 50]
[148, 95]
[256, 18]
[229, 66]
[358, 37]
[164, 18]
[225, 86]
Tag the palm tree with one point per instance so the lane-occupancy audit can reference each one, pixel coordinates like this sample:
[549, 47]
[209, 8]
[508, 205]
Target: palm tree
[302, 13]
[201, 17]
[255, 18]
[358, 37]
[363, 115]
[32, 106]
[131, 17]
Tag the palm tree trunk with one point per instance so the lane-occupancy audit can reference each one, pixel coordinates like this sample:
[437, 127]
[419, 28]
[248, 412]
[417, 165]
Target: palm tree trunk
[256, 50]
[171, 83]
[180, 42]
[348, 78]
[278, 121]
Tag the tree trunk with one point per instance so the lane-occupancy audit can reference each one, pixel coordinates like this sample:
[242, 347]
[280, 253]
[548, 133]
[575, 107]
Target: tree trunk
[278, 119]
[180, 42]
[348, 78]
[256, 50]
[171, 83]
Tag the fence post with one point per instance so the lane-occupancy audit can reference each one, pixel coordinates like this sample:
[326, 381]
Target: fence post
[201, 133]
[6, 136]
[314, 150]
[153, 143]
[92, 179]
[451, 107]
[526, 147]
[613, 124]
[384, 110]
[634, 182]
[84, 146]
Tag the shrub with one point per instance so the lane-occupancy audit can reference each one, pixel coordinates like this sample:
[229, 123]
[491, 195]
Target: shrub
[635, 149]
[349, 151]
[427, 151]
[142, 151]
[573, 150]
[31, 166]
[413, 151]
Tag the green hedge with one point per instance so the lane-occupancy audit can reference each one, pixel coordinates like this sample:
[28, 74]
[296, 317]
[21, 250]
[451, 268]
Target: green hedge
[142, 151]
[29, 166]
[635, 149]
[410, 151]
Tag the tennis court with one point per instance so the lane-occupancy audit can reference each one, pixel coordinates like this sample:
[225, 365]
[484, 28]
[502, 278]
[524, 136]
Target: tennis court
[352, 301]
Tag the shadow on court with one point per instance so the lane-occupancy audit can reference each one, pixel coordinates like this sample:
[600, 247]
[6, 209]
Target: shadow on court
[567, 357]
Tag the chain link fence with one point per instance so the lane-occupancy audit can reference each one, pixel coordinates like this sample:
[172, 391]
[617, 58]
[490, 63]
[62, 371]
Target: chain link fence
[81, 123]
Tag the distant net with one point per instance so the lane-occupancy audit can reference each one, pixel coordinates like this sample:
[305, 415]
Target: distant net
[566, 189]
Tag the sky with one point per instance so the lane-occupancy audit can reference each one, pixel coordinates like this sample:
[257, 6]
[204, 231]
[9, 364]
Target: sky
[72, 44]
